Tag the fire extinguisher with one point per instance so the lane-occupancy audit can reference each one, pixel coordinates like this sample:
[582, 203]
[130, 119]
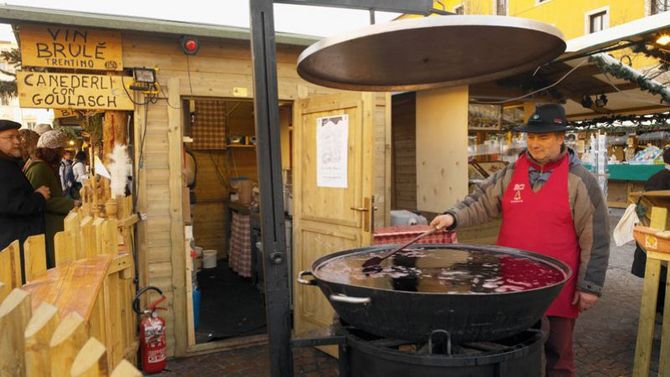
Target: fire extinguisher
[152, 333]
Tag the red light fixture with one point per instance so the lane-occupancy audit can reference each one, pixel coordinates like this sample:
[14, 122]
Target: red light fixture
[189, 45]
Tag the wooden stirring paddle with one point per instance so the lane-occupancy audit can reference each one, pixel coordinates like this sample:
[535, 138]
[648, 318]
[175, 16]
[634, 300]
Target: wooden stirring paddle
[372, 264]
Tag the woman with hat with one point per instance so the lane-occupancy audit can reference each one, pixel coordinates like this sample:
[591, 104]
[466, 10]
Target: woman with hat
[550, 204]
[43, 171]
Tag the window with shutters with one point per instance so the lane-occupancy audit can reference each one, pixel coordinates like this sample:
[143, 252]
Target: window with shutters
[658, 6]
[501, 7]
[597, 22]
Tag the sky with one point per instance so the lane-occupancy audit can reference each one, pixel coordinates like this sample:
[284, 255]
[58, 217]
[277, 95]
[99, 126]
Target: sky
[288, 18]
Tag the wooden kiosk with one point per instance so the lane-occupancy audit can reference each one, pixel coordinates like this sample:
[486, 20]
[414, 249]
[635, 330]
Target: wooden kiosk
[161, 124]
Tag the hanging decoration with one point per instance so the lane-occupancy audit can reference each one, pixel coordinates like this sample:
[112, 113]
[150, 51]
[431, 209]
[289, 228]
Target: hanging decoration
[626, 123]
[656, 53]
[609, 65]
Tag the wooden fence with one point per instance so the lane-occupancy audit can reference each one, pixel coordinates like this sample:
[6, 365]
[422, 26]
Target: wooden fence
[78, 313]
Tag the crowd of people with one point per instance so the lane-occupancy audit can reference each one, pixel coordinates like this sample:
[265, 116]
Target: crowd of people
[39, 183]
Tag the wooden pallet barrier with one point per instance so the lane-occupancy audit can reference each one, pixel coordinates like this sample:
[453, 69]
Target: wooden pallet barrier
[39, 344]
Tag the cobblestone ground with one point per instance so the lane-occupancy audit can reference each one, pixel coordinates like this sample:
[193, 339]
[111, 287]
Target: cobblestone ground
[605, 336]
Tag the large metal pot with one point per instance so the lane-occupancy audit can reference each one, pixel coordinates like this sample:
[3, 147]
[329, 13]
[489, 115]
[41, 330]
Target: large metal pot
[413, 316]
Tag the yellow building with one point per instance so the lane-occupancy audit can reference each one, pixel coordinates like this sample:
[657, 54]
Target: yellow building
[573, 18]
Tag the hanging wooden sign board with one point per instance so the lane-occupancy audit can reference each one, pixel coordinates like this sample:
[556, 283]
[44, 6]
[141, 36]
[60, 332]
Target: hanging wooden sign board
[73, 91]
[70, 47]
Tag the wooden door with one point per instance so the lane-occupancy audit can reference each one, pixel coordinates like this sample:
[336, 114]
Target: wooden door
[328, 219]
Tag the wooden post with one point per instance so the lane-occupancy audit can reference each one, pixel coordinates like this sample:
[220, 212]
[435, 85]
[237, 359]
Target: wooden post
[110, 236]
[125, 369]
[35, 256]
[646, 324]
[64, 249]
[38, 333]
[99, 224]
[68, 338]
[72, 224]
[91, 360]
[15, 312]
[113, 132]
[10, 268]
[87, 237]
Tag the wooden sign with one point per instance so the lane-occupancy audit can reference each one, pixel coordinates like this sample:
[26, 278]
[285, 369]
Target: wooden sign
[65, 113]
[70, 47]
[73, 91]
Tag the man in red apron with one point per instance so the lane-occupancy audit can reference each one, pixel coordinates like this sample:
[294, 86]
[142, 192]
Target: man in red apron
[552, 205]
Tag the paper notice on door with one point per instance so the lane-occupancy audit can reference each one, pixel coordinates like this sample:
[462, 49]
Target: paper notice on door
[332, 145]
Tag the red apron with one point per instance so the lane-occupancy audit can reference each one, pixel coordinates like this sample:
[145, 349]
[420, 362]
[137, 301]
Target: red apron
[542, 222]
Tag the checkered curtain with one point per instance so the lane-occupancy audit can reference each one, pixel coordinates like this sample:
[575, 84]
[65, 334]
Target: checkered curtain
[209, 130]
[240, 245]
[404, 233]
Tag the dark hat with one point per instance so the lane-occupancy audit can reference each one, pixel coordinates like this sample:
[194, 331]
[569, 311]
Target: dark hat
[9, 125]
[546, 118]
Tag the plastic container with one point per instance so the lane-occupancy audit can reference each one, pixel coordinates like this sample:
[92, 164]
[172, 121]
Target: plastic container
[209, 258]
[196, 307]
[404, 217]
[197, 259]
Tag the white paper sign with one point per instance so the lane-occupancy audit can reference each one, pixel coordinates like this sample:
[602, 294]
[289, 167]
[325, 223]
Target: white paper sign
[332, 148]
[100, 168]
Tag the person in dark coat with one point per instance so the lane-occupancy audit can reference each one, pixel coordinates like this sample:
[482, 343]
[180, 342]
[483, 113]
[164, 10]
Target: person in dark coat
[21, 206]
[657, 182]
[43, 171]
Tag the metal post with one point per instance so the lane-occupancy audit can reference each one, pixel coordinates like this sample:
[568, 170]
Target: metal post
[268, 154]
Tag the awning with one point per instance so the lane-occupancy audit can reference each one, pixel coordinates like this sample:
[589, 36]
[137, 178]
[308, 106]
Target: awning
[573, 76]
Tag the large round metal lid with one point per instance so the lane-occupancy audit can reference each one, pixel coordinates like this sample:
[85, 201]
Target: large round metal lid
[430, 52]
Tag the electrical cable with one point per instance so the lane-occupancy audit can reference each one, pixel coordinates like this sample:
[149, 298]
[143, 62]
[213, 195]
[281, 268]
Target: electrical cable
[123, 84]
[538, 90]
[166, 98]
[188, 71]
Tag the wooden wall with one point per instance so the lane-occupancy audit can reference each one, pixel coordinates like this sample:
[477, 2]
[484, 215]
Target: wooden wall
[442, 133]
[220, 69]
[403, 123]
[382, 160]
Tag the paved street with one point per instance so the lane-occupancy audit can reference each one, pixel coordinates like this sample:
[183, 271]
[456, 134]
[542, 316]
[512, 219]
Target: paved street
[605, 336]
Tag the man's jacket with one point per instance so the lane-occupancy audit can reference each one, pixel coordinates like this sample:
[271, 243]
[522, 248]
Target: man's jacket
[21, 208]
[589, 214]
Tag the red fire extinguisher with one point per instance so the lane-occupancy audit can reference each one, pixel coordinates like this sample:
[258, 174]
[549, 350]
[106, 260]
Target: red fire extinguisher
[152, 333]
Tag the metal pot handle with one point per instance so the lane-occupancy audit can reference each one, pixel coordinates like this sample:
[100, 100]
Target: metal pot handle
[304, 281]
[350, 300]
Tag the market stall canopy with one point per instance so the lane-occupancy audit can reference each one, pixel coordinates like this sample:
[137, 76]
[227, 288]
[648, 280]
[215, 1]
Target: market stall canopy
[430, 52]
[585, 72]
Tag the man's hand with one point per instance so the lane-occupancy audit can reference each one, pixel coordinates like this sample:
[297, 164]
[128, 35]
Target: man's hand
[44, 191]
[442, 221]
[584, 300]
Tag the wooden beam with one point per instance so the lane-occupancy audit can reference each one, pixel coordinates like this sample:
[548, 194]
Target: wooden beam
[35, 256]
[15, 313]
[10, 269]
[65, 343]
[38, 333]
[175, 155]
[91, 361]
[125, 369]
[114, 132]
